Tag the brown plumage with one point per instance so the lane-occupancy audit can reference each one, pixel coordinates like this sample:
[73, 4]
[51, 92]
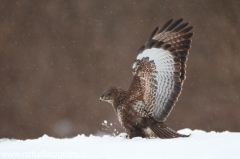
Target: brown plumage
[158, 75]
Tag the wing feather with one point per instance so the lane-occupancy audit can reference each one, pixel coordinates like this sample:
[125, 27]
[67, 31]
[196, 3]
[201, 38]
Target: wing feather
[159, 70]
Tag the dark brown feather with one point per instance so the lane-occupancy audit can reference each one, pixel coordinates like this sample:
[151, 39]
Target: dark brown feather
[141, 49]
[182, 54]
[166, 46]
[186, 36]
[150, 44]
[159, 44]
[152, 34]
[173, 25]
[186, 30]
[180, 27]
[165, 26]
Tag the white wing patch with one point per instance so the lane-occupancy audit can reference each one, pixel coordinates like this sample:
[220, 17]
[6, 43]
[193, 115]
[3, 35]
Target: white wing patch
[162, 59]
[159, 86]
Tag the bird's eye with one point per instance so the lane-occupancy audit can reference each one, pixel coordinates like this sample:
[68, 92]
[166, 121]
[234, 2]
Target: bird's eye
[107, 95]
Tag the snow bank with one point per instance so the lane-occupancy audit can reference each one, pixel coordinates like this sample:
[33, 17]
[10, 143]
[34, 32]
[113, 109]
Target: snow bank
[200, 145]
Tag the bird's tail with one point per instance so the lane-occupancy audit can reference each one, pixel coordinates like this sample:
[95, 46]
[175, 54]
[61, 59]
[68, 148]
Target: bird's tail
[162, 131]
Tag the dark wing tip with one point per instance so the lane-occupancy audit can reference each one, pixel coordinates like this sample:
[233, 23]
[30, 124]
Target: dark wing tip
[174, 24]
[186, 30]
[141, 49]
[153, 33]
[180, 27]
[188, 35]
[165, 25]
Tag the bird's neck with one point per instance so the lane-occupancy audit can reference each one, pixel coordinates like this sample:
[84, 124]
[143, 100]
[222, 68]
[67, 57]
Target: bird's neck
[120, 100]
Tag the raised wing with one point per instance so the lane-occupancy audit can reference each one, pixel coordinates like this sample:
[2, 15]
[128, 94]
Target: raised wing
[159, 70]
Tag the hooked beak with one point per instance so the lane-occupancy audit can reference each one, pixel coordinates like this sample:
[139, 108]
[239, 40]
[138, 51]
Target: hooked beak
[101, 99]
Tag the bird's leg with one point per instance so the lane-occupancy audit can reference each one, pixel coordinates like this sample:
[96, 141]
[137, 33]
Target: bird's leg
[137, 132]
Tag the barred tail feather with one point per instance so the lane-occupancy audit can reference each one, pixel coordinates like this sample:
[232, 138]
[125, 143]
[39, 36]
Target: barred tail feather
[164, 132]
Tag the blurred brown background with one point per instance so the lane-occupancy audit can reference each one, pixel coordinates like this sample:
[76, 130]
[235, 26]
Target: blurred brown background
[57, 57]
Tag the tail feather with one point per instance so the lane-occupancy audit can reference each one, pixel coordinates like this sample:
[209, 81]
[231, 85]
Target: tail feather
[159, 132]
[164, 132]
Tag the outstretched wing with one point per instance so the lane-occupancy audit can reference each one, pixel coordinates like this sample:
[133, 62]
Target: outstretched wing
[159, 70]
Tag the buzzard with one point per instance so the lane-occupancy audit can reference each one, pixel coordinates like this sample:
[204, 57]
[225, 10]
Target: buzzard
[158, 75]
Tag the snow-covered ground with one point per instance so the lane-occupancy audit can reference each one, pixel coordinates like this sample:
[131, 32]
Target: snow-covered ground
[200, 145]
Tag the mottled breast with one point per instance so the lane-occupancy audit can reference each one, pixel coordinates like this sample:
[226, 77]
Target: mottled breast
[121, 114]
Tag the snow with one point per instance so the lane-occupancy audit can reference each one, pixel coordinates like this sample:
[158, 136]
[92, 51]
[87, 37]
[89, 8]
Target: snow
[199, 145]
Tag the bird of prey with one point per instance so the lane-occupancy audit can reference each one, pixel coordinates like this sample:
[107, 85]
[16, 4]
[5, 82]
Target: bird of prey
[158, 75]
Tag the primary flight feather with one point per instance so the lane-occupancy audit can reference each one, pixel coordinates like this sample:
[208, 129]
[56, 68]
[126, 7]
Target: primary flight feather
[158, 75]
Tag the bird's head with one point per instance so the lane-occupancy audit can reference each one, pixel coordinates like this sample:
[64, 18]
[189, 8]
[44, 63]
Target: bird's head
[111, 95]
